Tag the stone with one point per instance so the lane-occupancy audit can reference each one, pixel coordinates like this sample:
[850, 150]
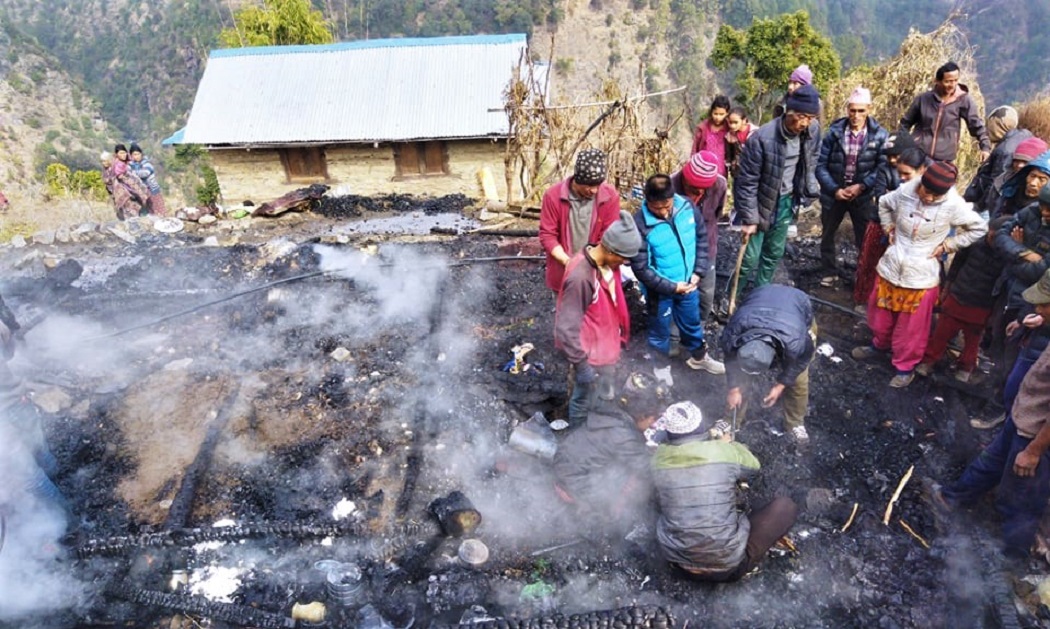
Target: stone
[63, 235]
[28, 259]
[211, 241]
[18, 241]
[52, 400]
[50, 262]
[80, 409]
[85, 228]
[44, 237]
[335, 239]
[121, 233]
[340, 354]
[207, 219]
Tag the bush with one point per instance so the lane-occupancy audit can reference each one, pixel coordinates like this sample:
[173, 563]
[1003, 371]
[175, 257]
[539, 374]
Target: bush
[208, 192]
[1035, 116]
[58, 179]
[89, 184]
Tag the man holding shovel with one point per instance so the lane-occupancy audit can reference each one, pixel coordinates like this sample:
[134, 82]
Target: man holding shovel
[772, 326]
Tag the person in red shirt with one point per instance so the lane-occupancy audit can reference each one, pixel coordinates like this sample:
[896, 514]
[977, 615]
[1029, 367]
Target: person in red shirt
[576, 212]
[591, 322]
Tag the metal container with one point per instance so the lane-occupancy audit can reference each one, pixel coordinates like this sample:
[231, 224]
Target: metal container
[344, 584]
[535, 438]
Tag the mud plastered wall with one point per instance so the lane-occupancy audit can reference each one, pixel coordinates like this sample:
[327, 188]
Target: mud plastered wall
[258, 174]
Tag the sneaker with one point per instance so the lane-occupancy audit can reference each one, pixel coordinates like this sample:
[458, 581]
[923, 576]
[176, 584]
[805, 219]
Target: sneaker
[864, 352]
[902, 380]
[799, 434]
[708, 364]
[988, 424]
[924, 369]
[963, 376]
[663, 374]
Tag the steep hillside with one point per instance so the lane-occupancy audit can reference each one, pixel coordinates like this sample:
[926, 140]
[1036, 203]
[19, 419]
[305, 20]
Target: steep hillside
[45, 115]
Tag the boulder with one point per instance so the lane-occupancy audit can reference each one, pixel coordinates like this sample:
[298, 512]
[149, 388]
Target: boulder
[44, 237]
[18, 241]
[52, 400]
[63, 234]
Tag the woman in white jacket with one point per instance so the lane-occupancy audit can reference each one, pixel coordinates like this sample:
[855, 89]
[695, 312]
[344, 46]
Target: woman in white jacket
[918, 218]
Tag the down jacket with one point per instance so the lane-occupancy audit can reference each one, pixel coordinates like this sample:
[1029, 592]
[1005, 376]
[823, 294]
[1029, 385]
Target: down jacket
[756, 187]
[674, 248]
[774, 312]
[831, 166]
[919, 228]
[604, 458]
[1019, 272]
[935, 123]
[700, 527]
[974, 275]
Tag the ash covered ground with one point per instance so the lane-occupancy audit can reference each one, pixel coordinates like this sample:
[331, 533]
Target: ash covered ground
[239, 412]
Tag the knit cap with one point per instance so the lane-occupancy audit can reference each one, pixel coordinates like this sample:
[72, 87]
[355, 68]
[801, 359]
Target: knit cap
[1001, 121]
[1030, 149]
[860, 96]
[622, 237]
[701, 170]
[803, 75]
[898, 142]
[590, 167]
[939, 177]
[804, 100]
[680, 418]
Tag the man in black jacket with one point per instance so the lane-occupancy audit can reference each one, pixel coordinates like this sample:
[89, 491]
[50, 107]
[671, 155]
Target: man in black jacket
[773, 326]
[776, 175]
[603, 466]
[1004, 134]
[847, 170]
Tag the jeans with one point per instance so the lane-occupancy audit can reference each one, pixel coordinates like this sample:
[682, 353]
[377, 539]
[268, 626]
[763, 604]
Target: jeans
[1019, 501]
[584, 394]
[684, 310]
[765, 249]
[1021, 366]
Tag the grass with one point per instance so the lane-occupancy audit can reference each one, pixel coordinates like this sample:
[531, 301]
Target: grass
[28, 213]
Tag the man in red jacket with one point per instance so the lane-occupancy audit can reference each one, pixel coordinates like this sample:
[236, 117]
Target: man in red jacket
[576, 212]
[591, 322]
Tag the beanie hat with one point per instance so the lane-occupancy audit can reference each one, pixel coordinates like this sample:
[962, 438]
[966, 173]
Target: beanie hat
[755, 356]
[860, 96]
[898, 142]
[1030, 149]
[939, 177]
[804, 100]
[803, 75]
[701, 170]
[622, 237]
[590, 167]
[1044, 195]
[680, 418]
[1001, 121]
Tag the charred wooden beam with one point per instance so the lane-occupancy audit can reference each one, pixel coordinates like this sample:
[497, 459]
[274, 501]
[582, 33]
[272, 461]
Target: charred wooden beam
[227, 612]
[636, 617]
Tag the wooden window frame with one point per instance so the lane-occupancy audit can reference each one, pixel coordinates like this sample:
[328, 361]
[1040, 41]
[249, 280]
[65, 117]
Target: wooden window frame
[293, 155]
[431, 159]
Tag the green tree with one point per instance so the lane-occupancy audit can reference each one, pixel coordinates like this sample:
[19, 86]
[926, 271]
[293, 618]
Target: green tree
[277, 23]
[764, 55]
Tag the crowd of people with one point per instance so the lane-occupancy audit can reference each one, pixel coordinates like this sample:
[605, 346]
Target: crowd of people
[131, 181]
[932, 262]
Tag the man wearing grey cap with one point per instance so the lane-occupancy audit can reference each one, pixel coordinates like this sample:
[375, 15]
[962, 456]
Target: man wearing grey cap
[591, 322]
[772, 326]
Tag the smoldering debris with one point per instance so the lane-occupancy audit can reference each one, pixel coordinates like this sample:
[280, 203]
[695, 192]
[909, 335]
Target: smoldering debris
[419, 393]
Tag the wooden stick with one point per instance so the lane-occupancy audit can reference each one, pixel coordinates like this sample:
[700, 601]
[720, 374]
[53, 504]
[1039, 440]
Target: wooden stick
[849, 522]
[912, 532]
[736, 276]
[896, 495]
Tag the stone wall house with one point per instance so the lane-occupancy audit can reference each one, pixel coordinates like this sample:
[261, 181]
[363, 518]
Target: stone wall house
[418, 116]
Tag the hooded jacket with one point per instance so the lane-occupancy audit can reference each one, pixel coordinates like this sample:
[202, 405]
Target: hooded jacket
[774, 312]
[700, 526]
[997, 163]
[1011, 192]
[756, 187]
[831, 166]
[919, 228]
[674, 249]
[1020, 273]
[935, 122]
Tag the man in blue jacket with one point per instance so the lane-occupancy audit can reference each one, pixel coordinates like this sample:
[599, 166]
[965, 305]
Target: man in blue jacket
[670, 265]
[847, 170]
[777, 173]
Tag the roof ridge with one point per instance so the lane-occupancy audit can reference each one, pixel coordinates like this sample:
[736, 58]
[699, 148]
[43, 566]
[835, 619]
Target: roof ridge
[365, 44]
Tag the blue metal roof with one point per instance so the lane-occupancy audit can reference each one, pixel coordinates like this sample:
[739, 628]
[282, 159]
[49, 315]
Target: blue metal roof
[363, 91]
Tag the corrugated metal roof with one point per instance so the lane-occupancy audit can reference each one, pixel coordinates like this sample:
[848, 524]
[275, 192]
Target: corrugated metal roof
[362, 91]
